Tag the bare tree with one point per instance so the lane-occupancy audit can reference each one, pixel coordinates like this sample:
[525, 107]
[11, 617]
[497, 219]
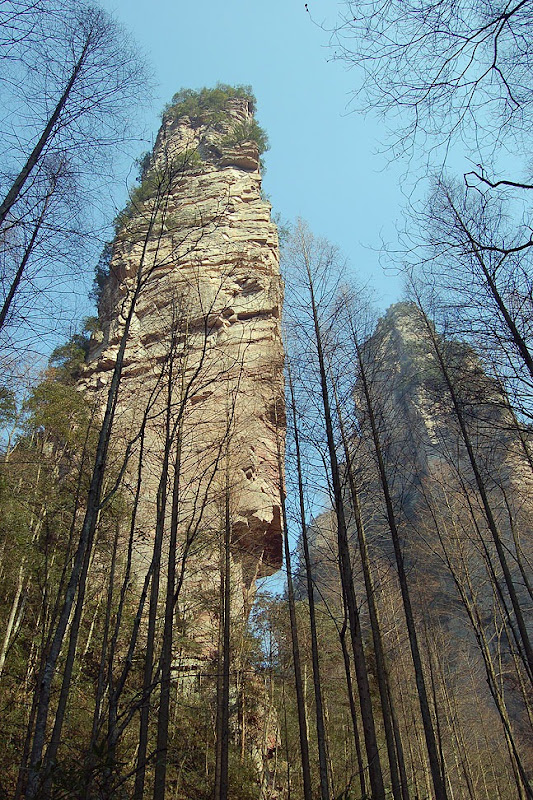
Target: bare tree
[392, 736]
[90, 77]
[438, 778]
[461, 557]
[311, 262]
[523, 638]
[69, 87]
[449, 66]
[474, 267]
[320, 724]
[297, 666]
[148, 263]
[459, 74]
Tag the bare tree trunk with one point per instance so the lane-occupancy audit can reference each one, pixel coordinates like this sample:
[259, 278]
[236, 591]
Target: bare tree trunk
[491, 522]
[460, 747]
[25, 258]
[467, 594]
[476, 251]
[148, 677]
[104, 655]
[48, 132]
[166, 654]
[437, 777]
[300, 699]
[219, 686]
[394, 748]
[320, 727]
[12, 617]
[518, 549]
[372, 750]
[53, 746]
[351, 700]
[287, 756]
[115, 688]
[84, 544]
[226, 655]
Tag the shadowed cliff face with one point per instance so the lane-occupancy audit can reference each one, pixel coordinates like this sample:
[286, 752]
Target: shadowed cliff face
[204, 356]
[447, 546]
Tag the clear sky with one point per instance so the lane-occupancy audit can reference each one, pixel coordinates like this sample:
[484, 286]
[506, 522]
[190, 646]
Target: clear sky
[324, 163]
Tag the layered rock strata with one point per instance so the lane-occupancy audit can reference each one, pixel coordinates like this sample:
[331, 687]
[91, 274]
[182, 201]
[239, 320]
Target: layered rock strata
[203, 359]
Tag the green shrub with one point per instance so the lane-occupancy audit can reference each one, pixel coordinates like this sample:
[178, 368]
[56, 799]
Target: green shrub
[69, 358]
[206, 102]
[156, 183]
[248, 131]
[210, 105]
[101, 274]
[143, 164]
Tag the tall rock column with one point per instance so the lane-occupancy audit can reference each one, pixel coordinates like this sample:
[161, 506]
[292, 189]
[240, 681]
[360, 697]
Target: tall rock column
[205, 337]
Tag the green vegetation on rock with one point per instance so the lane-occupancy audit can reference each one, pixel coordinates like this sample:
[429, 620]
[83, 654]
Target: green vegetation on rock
[211, 105]
[207, 102]
[249, 131]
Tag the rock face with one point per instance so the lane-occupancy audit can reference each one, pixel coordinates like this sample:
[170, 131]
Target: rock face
[422, 442]
[444, 533]
[198, 253]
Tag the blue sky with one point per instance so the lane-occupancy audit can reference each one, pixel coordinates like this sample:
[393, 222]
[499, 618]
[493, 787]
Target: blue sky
[324, 163]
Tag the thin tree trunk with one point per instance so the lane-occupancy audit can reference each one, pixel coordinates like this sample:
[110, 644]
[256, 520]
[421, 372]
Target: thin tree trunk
[48, 132]
[519, 771]
[518, 550]
[365, 701]
[84, 544]
[300, 699]
[320, 727]
[524, 636]
[22, 266]
[51, 752]
[104, 655]
[460, 747]
[166, 655]
[351, 700]
[162, 493]
[226, 655]
[517, 338]
[437, 777]
[12, 617]
[467, 594]
[286, 740]
[115, 689]
[394, 748]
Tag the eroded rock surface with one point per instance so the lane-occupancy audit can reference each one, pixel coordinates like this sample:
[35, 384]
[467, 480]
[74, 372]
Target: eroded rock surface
[205, 342]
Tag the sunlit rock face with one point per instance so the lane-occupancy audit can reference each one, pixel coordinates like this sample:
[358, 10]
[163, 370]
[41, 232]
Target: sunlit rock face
[204, 356]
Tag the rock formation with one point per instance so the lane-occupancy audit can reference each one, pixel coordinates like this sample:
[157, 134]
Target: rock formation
[447, 547]
[198, 253]
[420, 432]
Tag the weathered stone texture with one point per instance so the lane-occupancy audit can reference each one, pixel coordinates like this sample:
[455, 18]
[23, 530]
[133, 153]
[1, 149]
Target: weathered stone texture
[208, 252]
